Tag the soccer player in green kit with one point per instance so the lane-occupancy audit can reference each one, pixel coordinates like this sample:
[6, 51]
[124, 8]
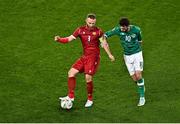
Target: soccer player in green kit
[130, 37]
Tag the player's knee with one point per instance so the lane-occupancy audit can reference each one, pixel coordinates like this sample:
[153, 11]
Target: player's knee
[71, 73]
[134, 77]
[138, 76]
[88, 78]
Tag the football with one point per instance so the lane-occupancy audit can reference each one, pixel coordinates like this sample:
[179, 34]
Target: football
[66, 104]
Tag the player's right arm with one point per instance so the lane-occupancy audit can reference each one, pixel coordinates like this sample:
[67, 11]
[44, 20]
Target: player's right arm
[69, 38]
[64, 39]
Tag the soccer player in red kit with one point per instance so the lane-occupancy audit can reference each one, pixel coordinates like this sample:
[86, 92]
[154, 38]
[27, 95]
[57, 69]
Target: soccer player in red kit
[88, 63]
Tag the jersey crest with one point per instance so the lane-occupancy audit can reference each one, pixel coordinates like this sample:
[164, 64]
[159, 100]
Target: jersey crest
[94, 33]
[133, 35]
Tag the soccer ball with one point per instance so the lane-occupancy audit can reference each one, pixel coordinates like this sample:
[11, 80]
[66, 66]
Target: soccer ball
[66, 104]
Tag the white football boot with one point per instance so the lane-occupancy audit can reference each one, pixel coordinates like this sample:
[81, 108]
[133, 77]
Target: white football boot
[141, 101]
[89, 103]
[66, 97]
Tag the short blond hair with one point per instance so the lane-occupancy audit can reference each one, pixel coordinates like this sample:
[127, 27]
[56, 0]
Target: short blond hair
[91, 16]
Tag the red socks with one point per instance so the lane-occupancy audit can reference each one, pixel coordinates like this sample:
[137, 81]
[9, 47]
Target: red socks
[71, 86]
[90, 90]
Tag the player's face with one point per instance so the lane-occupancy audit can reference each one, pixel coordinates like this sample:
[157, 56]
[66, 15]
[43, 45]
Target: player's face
[90, 22]
[124, 28]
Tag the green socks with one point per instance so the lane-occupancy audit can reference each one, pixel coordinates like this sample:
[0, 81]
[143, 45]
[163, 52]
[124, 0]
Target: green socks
[141, 89]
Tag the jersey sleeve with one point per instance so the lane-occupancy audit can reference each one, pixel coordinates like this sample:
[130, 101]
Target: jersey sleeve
[112, 32]
[76, 32]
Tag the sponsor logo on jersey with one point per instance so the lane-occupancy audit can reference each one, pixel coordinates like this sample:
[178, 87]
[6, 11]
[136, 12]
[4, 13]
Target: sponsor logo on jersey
[133, 35]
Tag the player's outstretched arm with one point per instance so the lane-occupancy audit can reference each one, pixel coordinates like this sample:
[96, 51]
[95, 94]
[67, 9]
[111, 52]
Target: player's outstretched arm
[106, 48]
[64, 39]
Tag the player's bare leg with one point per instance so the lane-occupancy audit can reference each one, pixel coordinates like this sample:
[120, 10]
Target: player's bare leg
[89, 84]
[72, 72]
[138, 75]
[134, 78]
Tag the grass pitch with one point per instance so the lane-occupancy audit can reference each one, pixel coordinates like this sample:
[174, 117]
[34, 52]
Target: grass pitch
[33, 68]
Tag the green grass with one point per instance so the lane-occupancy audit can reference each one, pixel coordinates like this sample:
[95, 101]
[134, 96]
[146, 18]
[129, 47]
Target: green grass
[33, 68]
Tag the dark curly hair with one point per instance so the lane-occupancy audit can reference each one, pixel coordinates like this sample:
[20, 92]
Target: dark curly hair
[124, 21]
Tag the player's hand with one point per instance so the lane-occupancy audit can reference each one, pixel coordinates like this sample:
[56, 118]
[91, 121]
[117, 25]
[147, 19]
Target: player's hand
[111, 57]
[56, 38]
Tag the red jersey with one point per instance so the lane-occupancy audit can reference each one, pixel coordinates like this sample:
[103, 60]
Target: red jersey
[89, 38]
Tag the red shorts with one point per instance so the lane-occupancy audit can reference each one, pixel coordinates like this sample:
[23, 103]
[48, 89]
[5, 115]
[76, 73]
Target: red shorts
[87, 64]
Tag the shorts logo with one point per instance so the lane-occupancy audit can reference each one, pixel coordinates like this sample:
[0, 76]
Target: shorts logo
[94, 33]
[141, 65]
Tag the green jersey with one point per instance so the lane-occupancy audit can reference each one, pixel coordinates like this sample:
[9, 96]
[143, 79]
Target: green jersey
[129, 40]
